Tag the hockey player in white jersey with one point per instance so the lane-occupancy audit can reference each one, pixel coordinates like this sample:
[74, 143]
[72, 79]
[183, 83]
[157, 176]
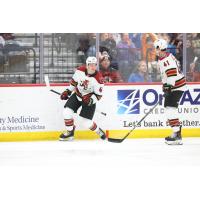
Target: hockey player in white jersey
[85, 90]
[174, 85]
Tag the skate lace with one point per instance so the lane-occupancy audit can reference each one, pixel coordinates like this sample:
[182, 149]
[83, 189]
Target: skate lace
[68, 133]
[173, 135]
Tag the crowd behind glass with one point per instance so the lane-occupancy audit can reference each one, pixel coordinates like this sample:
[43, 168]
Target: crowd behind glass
[123, 57]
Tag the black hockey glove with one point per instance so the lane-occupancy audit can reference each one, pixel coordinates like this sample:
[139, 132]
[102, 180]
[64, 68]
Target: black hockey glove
[65, 95]
[166, 89]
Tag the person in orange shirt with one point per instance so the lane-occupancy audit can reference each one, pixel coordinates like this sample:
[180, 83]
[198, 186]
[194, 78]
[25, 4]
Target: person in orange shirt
[148, 51]
[149, 54]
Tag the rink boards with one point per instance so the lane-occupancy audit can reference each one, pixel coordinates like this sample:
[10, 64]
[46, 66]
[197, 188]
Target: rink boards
[32, 112]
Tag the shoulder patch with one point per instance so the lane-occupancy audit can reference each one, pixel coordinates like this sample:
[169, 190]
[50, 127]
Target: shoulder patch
[82, 68]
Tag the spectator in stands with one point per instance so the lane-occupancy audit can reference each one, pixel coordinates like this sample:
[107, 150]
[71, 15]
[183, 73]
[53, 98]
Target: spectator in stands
[7, 36]
[136, 39]
[15, 56]
[141, 75]
[109, 73]
[196, 75]
[126, 55]
[195, 39]
[9, 39]
[107, 43]
[83, 48]
[10, 43]
[171, 48]
[104, 36]
[149, 54]
[92, 42]
[148, 51]
[190, 53]
[176, 40]
[190, 60]
[193, 63]
[2, 60]
[115, 36]
[2, 42]
[179, 52]
[125, 44]
[195, 70]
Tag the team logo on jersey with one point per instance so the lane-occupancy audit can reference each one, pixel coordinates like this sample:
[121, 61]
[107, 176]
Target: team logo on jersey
[128, 101]
[84, 84]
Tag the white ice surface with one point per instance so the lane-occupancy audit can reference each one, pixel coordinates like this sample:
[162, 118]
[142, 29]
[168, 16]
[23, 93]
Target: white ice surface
[134, 169]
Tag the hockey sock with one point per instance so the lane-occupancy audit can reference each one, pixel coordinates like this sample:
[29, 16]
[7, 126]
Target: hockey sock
[89, 124]
[69, 124]
[173, 119]
[175, 125]
[68, 118]
[94, 127]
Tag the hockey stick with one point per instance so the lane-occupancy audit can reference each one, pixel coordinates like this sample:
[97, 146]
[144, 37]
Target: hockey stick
[122, 139]
[46, 79]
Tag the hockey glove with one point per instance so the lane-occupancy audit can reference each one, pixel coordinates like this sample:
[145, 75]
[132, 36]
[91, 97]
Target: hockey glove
[87, 100]
[65, 95]
[167, 89]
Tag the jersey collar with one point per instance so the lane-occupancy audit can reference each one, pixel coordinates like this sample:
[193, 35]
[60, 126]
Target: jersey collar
[166, 55]
[90, 75]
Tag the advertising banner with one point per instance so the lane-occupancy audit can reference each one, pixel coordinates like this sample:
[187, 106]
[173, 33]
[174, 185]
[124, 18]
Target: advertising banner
[126, 105]
[36, 113]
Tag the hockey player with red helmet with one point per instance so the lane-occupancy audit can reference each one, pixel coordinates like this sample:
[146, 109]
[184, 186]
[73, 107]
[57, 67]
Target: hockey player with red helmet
[174, 85]
[86, 87]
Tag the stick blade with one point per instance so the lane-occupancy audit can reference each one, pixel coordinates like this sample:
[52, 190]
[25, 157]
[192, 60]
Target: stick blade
[103, 113]
[115, 140]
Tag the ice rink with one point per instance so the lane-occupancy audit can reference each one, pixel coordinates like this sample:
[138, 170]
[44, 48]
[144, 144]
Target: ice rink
[134, 169]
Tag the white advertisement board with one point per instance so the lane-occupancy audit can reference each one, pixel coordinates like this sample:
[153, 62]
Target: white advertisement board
[36, 109]
[127, 104]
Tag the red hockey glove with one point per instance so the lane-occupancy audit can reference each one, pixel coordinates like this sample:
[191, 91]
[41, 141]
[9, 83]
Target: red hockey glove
[65, 95]
[87, 100]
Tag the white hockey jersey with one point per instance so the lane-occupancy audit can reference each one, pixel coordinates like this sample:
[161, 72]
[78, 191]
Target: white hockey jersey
[171, 73]
[85, 84]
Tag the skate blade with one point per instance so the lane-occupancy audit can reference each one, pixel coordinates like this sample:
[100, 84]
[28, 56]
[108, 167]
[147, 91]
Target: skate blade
[103, 137]
[66, 139]
[177, 142]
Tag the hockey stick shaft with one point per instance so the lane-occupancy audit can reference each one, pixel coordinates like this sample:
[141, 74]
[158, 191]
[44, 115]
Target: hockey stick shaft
[55, 92]
[122, 139]
[46, 79]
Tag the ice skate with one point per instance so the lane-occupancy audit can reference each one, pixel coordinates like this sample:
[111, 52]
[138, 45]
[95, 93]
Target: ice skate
[174, 139]
[101, 133]
[67, 136]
